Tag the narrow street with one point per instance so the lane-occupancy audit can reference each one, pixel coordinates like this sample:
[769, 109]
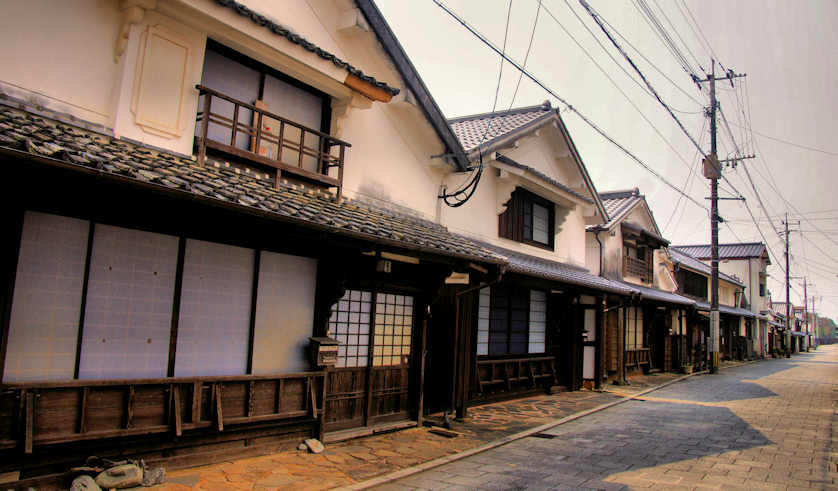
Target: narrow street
[766, 425]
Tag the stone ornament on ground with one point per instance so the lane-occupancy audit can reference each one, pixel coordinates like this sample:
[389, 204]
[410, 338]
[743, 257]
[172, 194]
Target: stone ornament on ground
[121, 476]
[84, 483]
[314, 445]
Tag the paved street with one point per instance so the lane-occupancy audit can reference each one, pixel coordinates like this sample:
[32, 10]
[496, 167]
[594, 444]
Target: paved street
[766, 425]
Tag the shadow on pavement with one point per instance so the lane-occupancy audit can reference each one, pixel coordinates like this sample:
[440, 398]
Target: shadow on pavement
[637, 434]
[733, 384]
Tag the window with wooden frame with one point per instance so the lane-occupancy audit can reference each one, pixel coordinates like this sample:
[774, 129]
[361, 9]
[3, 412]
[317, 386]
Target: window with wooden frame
[389, 317]
[637, 261]
[244, 79]
[511, 321]
[528, 218]
[693, 284]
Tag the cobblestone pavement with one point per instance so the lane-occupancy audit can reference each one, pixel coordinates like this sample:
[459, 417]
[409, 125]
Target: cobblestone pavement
[360, 459]
[766, 425]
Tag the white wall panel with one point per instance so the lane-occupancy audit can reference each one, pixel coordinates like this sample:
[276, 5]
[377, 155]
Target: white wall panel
[47, 299]
[129, 304]
[214, 325]
[284, 313]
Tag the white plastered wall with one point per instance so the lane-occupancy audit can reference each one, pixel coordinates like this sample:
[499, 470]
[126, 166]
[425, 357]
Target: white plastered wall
[59, 55]
[548, 154]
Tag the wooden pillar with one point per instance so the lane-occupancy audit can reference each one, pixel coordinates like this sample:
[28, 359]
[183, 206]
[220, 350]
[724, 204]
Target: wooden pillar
[599, 351]
[621, 345]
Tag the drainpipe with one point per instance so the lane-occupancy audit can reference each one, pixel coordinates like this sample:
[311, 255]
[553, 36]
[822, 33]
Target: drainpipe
[596, 230]
[461, 412]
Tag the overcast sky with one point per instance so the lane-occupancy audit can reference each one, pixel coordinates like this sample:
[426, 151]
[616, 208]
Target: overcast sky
[786, 48]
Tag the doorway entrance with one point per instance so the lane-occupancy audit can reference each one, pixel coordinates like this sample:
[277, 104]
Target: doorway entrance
[370, 383]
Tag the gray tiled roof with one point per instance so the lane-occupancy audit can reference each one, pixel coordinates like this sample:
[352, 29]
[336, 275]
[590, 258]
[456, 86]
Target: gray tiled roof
[46, 137]
[553, 270]
[655, 294]
[478, 129]
[693, 263]
[544, 177]
[618, 202]
[725, 309]
[726, 251]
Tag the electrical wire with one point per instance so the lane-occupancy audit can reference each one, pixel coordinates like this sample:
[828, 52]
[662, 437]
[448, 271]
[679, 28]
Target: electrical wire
[526, 56]
[595, 16]
[464, 193]
[563, 101]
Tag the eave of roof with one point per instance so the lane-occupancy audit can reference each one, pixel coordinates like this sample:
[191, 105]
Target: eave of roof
[694, 264]
[543, 177]
[743, 250]
[413, 81]
[657, 295]
[538, 267]
[550, 115]
[291, 36]
[26, 136]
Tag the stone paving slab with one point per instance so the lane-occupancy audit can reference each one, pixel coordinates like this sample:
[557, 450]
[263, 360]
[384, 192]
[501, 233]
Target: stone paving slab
[765, 425]
[358, 460]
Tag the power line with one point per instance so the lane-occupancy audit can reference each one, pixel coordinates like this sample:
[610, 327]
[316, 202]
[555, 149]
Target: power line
[526, 56]
[665, 39]
[647, 60]
[613, 82]
[465, 192]
[798, 145]
[703, 37]
[562, 100]
[674, 29]
[595, 16]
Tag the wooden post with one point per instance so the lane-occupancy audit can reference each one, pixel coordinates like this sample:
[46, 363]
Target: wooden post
[197, 388]
[129, 407]
[177, 410]
[85, 392]
[422, 353]
[202, 147]
[219, 416]
[321, 428]
[235, 127]
[600, 344]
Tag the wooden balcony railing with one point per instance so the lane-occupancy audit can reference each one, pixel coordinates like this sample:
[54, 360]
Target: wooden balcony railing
[271, 140]
[637, 357]
[46, 413]
[636, 267]
[508, 372]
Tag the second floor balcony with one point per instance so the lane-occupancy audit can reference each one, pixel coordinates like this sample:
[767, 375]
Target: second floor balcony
[253, 134]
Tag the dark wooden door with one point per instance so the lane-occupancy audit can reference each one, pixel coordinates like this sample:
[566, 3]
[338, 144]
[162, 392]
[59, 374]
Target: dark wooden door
[371, 382]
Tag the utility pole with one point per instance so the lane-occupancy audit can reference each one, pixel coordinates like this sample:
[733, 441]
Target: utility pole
[787, 338]
[713, 171]
[788, 300]
[806, 310]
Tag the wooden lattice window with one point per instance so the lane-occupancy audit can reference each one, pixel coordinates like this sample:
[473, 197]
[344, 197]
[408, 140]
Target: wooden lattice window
[528, 218]
[389, 317]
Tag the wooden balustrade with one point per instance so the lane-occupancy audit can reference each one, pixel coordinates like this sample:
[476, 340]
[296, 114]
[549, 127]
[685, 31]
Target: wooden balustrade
[33, 414]
[636, 267]
[507, 373]
[272, 140]
[637, 357]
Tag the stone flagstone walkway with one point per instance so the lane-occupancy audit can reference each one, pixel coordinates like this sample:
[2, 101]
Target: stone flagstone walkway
[357, 460]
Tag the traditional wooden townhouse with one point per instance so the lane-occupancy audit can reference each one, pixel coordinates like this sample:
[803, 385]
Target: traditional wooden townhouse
[540, 326]
[693, 277]
[784, 326]
[749, 261]
[649, 333]
[217, 231]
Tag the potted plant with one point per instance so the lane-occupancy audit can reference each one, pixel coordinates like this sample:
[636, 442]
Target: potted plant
[687, 368]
